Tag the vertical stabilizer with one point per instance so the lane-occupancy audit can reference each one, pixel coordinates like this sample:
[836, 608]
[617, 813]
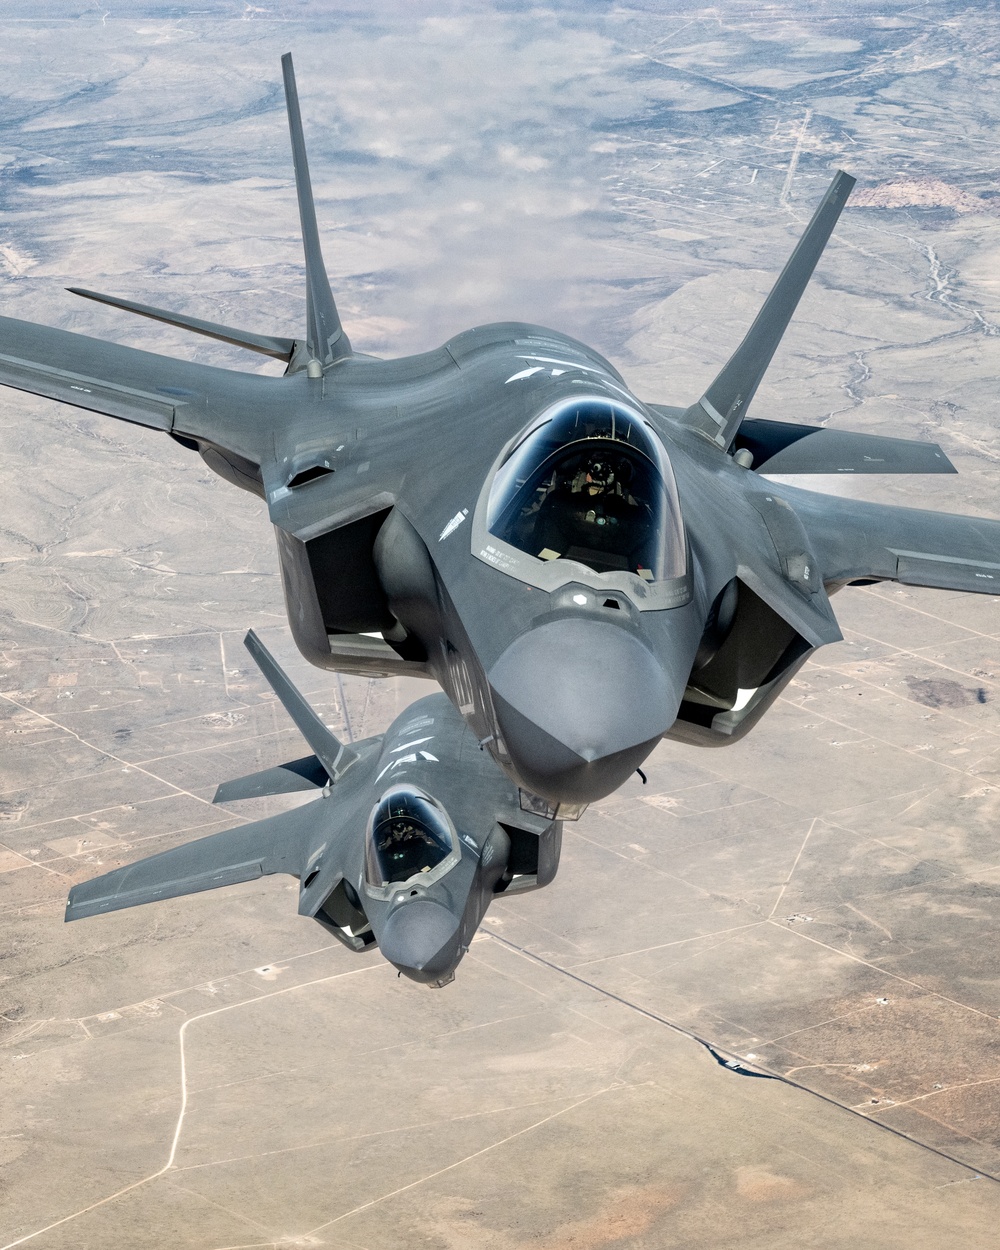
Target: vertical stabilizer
[335, 756]
[720, 410]
[325, 337]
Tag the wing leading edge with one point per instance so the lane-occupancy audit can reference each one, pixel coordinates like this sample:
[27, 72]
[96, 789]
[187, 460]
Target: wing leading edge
[102, 377]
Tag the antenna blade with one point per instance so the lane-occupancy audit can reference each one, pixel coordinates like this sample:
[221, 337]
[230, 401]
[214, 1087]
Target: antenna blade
[335, 756]
[266, 344]
[325, 336]
[720, 410]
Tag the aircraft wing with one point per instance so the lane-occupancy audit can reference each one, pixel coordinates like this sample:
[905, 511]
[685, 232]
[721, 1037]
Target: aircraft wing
[86, 372]
[856, 541]
[179, 397]
[277, 844]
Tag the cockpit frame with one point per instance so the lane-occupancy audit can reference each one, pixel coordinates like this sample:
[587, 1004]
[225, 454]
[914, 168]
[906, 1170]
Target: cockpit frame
[416, 882]
[552, 574]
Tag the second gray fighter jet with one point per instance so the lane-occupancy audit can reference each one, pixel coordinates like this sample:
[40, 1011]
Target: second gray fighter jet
[413, 835]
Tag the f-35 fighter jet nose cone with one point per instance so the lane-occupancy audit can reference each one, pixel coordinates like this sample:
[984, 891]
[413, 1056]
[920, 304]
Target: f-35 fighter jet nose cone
[581, 703]
[419, 938]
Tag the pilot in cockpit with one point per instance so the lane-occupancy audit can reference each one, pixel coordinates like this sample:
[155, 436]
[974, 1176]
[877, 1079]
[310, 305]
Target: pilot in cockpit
[589, 507]
[604, 475]
[590, 483]
[403, 846]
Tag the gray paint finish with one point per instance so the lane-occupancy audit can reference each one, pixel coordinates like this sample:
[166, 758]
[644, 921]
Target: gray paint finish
[377, 476]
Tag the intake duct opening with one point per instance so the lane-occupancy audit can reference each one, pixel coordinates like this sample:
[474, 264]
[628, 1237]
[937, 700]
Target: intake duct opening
[747, 655]
[721, 615]
[343, 916]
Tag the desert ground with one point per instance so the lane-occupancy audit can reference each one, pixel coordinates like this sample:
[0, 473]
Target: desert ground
[760, 1004]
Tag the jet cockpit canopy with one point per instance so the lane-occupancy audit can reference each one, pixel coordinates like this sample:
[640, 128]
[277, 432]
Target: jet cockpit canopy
[409, 836]
[591, 482]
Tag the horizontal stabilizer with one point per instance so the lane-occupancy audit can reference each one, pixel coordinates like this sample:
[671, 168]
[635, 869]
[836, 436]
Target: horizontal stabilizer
[720, 410]
[781, 447]
[335, 756]
[300, 775]
[278, 844]
[266, 344]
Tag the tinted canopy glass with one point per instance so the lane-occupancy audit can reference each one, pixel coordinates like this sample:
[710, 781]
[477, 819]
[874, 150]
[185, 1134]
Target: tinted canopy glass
[590, 482]
[408, 835]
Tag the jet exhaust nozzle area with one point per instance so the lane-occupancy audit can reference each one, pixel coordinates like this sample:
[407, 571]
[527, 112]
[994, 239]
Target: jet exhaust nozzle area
[581, 703]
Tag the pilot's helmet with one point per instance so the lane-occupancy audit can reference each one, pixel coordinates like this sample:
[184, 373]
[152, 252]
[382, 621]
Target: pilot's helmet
[600, 473]
[608, 473]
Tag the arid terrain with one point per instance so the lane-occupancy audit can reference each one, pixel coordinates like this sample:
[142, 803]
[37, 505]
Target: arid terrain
[821, 900]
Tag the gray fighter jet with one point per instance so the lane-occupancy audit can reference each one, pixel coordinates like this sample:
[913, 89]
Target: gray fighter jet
[415, 832]
[584, 573]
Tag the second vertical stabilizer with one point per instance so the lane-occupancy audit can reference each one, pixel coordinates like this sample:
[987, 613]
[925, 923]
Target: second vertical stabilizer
[720, 410]
[335, 756]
